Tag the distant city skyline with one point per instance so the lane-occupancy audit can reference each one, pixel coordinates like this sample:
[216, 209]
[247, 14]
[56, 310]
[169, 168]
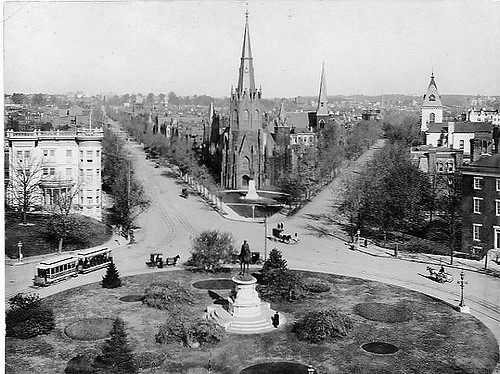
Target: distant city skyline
[368, 47]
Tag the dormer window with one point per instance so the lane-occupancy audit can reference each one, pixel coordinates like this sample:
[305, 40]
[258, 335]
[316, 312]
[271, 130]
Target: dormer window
[432, 97]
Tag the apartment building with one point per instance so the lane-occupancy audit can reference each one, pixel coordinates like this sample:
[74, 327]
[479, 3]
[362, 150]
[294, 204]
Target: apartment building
[59, 162]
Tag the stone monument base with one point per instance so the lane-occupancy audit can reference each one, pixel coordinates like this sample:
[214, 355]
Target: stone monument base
[246, 314]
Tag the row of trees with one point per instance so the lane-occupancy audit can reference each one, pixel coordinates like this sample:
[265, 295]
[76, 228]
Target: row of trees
[118, 179]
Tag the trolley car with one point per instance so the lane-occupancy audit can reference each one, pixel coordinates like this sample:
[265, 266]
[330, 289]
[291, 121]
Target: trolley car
[93, 259]
[62, 267]
[55, 270]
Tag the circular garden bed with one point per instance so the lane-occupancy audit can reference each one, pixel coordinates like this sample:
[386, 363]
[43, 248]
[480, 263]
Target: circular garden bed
[89, 329]
[214, 284]
[279, 368]
[380, 348]
[131, 298]
[382, 312]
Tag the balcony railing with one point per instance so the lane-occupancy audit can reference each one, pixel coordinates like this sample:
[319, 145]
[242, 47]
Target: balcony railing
[97, 132]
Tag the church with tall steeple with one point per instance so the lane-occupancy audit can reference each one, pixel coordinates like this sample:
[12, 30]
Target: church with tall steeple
[246, 145]
[432, 108]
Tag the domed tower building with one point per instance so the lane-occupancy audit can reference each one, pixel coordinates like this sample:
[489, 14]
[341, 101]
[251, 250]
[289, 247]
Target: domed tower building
[247, 141]
[432, 108]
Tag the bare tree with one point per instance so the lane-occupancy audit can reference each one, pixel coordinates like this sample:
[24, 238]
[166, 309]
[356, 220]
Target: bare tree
[23, 188]
[63, 223]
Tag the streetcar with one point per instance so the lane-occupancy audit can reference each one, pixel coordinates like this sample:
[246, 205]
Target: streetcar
[93, 259]
[55, 270]
[59, 268]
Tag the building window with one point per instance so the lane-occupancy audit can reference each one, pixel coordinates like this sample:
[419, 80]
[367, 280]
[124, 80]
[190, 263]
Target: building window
[45, 152]
[19, 154]
[69, 172]
[440, 167]
[89, 175]
[477, 204]
[52, 171]
[477, 183]
[98, 173]
[27, 154]
[476, 227]
[69, 153]
[45, 171]
[432, 97]
[432, 118]
[81, 156]
[89, 200]
[450, 167]
[89, 156]
[97, 153]
[497, 207]
[498, 185]
[461, 145]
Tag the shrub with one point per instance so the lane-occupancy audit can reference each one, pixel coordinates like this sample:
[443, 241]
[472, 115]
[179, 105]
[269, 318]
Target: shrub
[280, 285]
[28, 317]
[112, 278]
[275, 261]
[167, 295]
[192, 333]
[149, 360]
[116, 354]
[319, 325]
[80, 364]
[316, 285]
[212, 248]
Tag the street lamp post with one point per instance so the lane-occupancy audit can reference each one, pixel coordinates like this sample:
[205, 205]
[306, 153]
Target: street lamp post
[462, 283]
[20, 254]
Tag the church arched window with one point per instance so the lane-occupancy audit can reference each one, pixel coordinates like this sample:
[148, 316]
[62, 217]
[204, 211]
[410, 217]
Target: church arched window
[235, 116]
[257, 115]
[245, 164]
[245, 115]
[432, 97]
[432, 118]
[321, 124]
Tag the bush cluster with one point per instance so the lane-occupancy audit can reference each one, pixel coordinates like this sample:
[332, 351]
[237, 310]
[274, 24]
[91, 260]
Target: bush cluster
[167, 295]
[191, 333]
[315, 285]
[280, 285]
[319, 325]
[212, 248]
[28, 317]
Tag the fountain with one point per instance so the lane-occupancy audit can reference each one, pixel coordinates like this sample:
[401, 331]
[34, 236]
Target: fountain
[245, 313]
[252, 192]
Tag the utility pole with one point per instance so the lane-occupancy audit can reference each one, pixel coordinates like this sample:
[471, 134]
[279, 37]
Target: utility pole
[265, 237]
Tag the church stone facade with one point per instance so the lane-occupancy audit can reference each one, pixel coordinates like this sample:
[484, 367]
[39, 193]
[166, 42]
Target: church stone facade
[246, 145]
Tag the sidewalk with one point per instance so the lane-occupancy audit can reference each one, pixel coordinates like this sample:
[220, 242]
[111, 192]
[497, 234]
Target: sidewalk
[116, 241]
[438, 260]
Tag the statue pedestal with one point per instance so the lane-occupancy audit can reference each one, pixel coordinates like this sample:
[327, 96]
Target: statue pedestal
[247, 314]
[247, 303]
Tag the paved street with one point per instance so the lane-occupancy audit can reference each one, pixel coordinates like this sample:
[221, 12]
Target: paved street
[172, 221]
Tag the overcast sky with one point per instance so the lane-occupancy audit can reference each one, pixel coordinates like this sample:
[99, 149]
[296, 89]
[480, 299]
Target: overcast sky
[193, 47]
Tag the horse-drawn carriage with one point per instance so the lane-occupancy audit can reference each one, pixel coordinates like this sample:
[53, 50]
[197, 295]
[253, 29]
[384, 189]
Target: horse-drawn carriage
[157, 260]
[280, 236]
[439, 276]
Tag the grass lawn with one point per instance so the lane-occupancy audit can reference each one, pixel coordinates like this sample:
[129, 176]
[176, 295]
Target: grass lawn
[432, 338]
[34, 238]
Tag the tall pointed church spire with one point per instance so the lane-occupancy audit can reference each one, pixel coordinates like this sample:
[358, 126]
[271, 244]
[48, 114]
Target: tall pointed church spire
[282, 114]
[323, 97]
[246, 81]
